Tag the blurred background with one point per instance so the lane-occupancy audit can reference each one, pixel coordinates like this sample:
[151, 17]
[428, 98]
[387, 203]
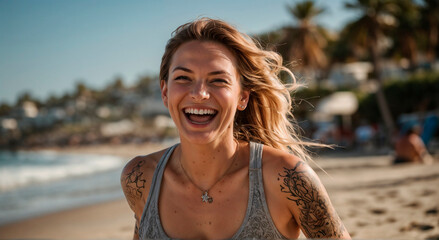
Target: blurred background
[85, 72]
[84, 75]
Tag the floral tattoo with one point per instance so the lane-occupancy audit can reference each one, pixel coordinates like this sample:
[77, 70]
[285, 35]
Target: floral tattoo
[134, 183]
[317, 217]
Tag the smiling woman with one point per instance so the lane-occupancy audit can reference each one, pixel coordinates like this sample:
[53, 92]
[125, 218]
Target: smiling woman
[203, 78]
[234, 119]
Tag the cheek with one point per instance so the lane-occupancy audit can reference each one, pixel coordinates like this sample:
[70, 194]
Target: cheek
[228, 100]
[175, 92]
[228, 95]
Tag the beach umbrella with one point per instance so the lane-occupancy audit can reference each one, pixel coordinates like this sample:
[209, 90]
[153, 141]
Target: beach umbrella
[338, 103]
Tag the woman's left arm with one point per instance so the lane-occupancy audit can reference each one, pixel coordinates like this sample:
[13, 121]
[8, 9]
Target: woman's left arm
[309, 202]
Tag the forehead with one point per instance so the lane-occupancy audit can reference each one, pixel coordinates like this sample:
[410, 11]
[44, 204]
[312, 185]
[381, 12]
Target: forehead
[205, 55]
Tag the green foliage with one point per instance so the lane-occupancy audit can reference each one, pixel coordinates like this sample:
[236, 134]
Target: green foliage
[419, 93]
[5, 109]
[340, 51]
[304, 42]
[27, 97]
[118, 84]
[80, 89]
[305, 11]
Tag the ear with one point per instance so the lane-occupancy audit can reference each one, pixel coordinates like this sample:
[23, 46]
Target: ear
[243, 100]
[164, 92]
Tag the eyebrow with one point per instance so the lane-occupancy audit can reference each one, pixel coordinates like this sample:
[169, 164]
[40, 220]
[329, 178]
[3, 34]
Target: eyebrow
[182, 69]
[190, 71]
[219, 73]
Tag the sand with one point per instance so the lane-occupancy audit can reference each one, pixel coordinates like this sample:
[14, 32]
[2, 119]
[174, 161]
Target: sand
[374, 199]
[379, 201]
[109, 220]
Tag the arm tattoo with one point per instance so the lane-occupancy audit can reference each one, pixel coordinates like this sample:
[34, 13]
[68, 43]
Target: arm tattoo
[318, 218]
[134, 183]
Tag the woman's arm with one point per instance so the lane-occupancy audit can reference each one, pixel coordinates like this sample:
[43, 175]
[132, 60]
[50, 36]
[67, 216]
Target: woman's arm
[309, 202]
[136, 229]
[133, 181]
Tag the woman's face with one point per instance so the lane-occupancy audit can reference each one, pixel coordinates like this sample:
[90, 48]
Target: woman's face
[203, 91]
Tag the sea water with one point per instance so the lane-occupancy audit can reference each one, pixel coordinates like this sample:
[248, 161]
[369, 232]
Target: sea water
[38, 182]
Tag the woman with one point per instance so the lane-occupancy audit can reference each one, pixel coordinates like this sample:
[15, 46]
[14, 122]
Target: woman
[233, 117]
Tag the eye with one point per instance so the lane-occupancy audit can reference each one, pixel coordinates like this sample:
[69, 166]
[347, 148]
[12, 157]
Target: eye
[219, 81]
[182, 78]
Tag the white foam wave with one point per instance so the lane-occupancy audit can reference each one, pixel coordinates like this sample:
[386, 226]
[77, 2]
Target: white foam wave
[49, 166]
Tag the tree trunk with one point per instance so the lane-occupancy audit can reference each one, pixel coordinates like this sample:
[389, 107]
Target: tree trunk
[432, 40]
[381, 98]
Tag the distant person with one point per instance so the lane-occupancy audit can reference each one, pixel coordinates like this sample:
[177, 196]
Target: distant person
[410, 148]
[239, 170]
[364, 135]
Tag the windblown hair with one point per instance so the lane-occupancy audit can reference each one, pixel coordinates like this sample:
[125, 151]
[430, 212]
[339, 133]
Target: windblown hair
[268, 118]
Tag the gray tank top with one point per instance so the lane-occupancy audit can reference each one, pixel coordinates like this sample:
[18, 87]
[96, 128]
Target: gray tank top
[257, 223]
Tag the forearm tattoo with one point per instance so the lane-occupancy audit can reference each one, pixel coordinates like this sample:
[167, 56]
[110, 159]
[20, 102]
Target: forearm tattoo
[317, 217]
[134, 184]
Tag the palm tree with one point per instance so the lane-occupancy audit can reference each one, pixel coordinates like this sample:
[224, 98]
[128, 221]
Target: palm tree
[81, 90]
[369, 32]
[430, 21]
[304, 43]
[405, 35]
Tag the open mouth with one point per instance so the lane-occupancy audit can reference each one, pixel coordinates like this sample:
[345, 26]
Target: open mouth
[199, 116]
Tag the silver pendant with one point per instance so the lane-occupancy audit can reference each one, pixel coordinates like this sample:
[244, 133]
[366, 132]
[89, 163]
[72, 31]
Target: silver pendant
[206, 198]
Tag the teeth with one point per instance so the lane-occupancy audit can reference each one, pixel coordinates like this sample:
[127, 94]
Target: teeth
[199, 111]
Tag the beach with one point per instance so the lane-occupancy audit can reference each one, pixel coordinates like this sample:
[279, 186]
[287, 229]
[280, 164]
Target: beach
[376, 200]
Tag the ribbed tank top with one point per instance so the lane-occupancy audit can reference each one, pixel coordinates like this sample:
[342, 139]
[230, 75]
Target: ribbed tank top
[257, 223]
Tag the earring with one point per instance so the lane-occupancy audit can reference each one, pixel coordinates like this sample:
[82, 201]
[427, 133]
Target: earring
[242, 107]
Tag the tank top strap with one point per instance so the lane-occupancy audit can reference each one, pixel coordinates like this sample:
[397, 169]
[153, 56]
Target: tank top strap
[158, 173]
[154, 192]
[258, 221]
[255, 156]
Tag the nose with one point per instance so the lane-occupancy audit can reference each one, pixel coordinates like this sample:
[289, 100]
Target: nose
[199, 92]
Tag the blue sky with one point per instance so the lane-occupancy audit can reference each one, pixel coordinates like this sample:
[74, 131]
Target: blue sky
[47, 46]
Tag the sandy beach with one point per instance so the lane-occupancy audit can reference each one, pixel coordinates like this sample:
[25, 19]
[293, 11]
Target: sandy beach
[375, 200]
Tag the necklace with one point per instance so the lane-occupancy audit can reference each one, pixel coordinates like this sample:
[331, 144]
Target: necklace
[205, 193]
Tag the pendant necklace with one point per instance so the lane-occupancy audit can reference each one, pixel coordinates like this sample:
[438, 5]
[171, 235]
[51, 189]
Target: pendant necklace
[205, 193]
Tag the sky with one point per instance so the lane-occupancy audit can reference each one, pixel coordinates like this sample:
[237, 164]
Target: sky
[48, 46]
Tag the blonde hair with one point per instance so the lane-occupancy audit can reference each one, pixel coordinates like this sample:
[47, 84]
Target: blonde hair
[268, 118]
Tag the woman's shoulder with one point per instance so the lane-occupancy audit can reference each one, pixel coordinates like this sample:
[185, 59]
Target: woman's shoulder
[137, 176]
[143, 162]
[280, 167]
[278, 160]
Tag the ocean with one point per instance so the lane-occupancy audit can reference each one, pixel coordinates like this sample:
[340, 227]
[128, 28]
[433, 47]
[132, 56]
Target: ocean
[33, 183]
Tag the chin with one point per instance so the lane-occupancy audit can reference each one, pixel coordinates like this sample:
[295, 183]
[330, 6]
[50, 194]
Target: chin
[197, 138]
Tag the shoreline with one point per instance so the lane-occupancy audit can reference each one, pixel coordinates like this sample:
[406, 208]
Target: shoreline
[374, 199]
[83, 220]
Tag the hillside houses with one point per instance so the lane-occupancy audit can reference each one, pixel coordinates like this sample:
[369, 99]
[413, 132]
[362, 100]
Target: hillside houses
[88, 117]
